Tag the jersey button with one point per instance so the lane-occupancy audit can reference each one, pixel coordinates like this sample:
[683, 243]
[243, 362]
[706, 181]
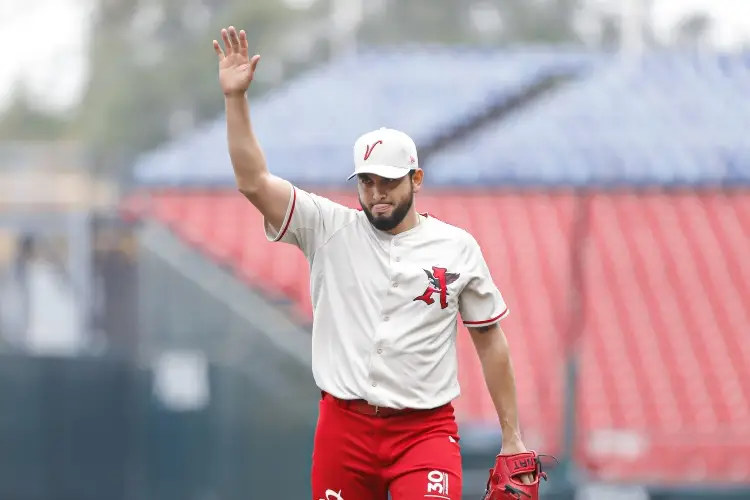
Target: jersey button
[398, 259]
[386, 318]
[395, 285]
[374, 384]
[380, 351]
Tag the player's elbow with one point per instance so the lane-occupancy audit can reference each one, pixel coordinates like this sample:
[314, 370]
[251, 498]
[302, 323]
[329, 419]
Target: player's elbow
[252, 185]
[249, 165]
[499, 351]
[248, 190]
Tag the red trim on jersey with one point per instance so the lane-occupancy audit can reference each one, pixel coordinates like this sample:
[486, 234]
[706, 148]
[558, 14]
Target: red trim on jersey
[291, 214]
[488, 321]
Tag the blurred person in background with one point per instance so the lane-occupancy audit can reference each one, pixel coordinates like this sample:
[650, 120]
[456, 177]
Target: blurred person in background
[39, 305]
[14, 306]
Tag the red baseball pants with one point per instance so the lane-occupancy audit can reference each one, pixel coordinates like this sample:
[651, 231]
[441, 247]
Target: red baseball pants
[361, 457]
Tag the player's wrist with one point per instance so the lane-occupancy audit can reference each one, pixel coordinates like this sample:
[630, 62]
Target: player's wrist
[512, 442]
[235, 95]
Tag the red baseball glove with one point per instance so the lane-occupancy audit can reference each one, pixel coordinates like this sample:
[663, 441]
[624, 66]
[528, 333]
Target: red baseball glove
[504, 482]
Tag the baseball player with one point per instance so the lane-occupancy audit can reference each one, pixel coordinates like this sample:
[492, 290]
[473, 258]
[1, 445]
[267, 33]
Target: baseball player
[387, 286]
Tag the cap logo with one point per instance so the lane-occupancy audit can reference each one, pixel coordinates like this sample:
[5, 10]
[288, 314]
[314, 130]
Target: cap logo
[368, 150]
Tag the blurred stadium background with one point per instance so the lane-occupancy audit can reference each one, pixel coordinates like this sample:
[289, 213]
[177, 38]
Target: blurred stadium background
[155, 346]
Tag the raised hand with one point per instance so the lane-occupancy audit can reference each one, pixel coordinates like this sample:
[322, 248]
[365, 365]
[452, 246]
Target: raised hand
[236, 69]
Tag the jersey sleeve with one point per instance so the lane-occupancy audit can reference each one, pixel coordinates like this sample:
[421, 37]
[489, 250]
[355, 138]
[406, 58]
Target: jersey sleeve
[480, 302]
[309, 222]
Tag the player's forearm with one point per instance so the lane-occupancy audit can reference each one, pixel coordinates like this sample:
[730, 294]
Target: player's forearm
[245, 152]
[500, 378]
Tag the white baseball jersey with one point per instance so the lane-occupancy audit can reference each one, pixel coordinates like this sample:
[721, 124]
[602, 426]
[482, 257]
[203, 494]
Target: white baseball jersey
[385, 307]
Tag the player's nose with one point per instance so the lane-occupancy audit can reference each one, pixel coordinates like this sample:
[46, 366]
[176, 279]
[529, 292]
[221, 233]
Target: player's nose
[379, 195]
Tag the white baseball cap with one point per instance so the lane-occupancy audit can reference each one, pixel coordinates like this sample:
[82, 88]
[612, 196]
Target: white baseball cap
[385, 152]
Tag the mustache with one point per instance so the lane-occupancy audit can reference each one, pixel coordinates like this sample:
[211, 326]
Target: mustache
[386, 223]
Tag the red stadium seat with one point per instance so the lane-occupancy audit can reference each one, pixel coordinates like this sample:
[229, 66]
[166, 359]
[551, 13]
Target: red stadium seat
[665, 282]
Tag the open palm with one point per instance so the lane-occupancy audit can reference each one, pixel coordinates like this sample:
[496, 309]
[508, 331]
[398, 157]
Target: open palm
[236, 69]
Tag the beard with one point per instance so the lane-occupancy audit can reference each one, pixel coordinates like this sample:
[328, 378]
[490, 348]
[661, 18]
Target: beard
[389, 222]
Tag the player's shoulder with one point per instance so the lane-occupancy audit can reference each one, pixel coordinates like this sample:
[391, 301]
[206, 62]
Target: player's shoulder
[326, 202]
[318, 197]
[453, 233]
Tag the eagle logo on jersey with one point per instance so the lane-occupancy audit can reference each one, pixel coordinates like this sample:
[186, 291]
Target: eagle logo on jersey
[438, 280]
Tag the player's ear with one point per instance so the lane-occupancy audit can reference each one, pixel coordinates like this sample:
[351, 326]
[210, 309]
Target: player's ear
[417, 176]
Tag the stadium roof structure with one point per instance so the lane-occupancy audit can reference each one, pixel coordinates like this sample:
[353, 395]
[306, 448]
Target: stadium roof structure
[308, 127]
[666, 119]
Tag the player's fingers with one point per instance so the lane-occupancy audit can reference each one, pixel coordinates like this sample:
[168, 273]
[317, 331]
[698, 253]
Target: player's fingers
[234, 39]
[227, 43]
[527, 479]
[219, 52]
[254, 63]
[243, 43]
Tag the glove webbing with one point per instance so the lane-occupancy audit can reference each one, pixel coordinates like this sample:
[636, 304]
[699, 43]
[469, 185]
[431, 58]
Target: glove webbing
[515, 492]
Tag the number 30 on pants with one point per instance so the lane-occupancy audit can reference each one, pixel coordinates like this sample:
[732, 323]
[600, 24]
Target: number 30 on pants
[437, 483]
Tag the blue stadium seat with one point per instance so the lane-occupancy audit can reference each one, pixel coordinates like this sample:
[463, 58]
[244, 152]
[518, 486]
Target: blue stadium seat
[671, 119]
[308, 127]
